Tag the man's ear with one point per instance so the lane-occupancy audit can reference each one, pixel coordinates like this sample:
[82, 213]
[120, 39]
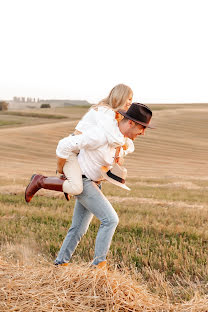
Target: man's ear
[131, 123]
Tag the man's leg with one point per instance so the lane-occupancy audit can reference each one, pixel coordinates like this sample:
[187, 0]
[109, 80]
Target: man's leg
[80, 223]
[94, 201]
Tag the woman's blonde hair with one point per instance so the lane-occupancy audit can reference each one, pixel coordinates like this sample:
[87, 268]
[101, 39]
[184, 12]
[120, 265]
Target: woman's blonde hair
[116, 98]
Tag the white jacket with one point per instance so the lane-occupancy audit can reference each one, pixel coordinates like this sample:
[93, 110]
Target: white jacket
[104, 118]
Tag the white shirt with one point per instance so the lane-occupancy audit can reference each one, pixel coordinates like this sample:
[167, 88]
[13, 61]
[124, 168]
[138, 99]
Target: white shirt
[94, 151]
[100, 136]
[103, 117]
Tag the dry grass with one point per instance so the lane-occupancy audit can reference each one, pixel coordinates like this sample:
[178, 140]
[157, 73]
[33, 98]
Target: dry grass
[42, 287]
[178, 147]
[29, 285]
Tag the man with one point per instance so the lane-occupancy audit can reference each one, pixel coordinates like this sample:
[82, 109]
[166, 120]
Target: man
[94, 153]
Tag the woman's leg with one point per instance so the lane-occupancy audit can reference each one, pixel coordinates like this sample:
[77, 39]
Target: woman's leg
[73, 184]
[39, 181]
[80, 223]
[96, 203]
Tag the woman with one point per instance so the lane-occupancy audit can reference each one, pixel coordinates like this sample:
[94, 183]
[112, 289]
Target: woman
[103, 115]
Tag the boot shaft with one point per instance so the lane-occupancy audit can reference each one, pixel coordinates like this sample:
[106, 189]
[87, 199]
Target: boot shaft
[39, 181]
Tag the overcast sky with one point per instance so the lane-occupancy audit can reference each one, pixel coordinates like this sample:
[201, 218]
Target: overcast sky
[80, 49]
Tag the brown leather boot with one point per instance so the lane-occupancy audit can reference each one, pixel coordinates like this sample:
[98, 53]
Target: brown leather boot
[39, 181]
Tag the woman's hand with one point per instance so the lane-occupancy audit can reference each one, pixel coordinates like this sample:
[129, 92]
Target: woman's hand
[60, 164]
[119, 161]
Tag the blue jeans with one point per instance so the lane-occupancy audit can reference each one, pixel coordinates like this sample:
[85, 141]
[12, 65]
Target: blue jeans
[90, 202]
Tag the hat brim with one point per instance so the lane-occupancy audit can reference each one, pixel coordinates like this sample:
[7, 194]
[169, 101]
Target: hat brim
[106, 177]
[135, 120]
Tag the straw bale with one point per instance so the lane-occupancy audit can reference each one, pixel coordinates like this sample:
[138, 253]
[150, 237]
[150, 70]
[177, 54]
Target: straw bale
[44, 287]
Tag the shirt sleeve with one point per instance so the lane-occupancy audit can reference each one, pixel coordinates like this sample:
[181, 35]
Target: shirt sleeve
[130, 146]
[90, 139]
[87, 121]
[106, 120]
[127, 148]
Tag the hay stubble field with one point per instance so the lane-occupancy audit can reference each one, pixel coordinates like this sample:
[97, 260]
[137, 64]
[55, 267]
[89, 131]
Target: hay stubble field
[160, 248]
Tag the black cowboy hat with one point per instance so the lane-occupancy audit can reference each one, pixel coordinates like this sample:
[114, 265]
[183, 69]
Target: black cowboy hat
[139, 113]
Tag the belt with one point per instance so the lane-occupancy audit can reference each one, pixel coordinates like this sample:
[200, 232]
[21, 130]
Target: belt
[84, 176]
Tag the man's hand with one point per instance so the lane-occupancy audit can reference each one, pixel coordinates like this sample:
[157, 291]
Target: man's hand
[60, 164]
